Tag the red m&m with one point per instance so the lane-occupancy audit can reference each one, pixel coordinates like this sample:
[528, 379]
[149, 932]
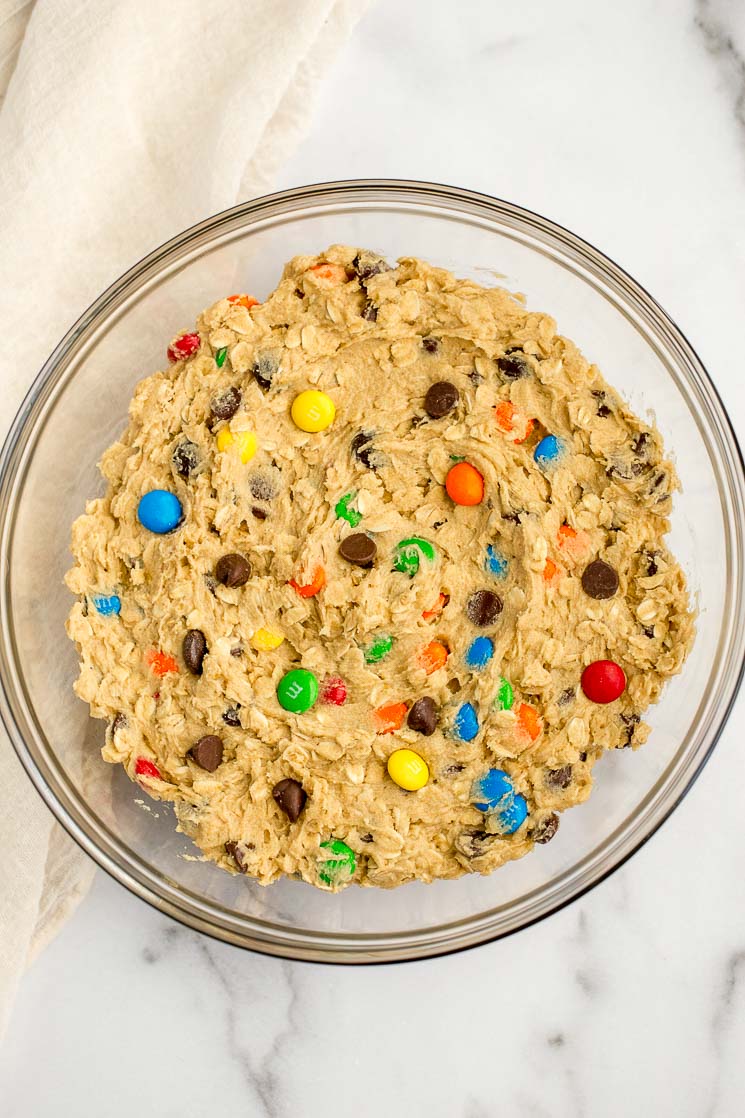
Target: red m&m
[183, 346]
[603, 681]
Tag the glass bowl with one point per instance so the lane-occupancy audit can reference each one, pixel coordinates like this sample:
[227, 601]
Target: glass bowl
[78, 405]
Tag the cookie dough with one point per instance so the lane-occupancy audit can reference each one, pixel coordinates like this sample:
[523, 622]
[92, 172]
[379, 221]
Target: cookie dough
[371, 546]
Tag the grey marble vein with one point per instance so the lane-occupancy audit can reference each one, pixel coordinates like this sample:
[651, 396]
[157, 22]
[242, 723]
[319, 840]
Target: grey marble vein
[719, 40]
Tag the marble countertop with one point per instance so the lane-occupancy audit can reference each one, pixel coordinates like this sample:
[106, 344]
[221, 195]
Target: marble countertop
[625, 123]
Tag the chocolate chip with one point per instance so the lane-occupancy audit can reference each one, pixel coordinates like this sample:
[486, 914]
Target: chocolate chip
[237, 652]
[648, 631]
[559, 778]
[233, 570]
[652, 564]
[473, 843]
[264, 486]
[431, 344]
[291, 797]
[642, 444]
[566, 697]
[226, 404]
[513, 366]
[475, 377]
[368, 264]
[484, 607]
[630, 721]
[453, 686]
[265, 369]
[451, 770]
[583, 756]
[366, 838]
[233, 850]
[369, 311]
[546, 828]
[231, 716]
[603, 411]
[441, 398]
[363, 450]
[423, 716]
[119, 723]
[210, 583]
[417, 420]
[513, 516]
[193, 649]
[599, 580]
[260, 514]
[359, 549]
[185, 458]
[207, 752]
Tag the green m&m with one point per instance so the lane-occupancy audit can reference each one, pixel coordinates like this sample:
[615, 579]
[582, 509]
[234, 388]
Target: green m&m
[343, 511]
[409, 554]
[379, 648]
[339, 868]
[505, 696]
[297, 691]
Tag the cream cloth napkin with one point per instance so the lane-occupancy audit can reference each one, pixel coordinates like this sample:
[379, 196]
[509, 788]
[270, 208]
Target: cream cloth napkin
[122, 123]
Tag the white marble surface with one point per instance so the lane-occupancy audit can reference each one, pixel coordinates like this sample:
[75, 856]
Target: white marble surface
[627, 124]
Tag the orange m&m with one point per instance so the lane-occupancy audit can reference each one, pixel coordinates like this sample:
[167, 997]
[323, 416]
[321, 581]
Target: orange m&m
[464, 484]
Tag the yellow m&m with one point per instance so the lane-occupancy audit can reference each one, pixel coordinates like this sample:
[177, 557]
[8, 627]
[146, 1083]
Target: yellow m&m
[244, 442]
[264, 640]
[313, 411]
[408, 770]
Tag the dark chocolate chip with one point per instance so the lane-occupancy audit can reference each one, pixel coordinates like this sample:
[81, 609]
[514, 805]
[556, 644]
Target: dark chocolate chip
[368, 264]
[513, 516]
[583, 756]
[451, 770]
[263, 486]
[417, 420]
[207, 752]
[119, 723]
[559, 778]
[513, 366]
[441, 398]
[291, 797]
[366, 838]
[233, 850]
[475, 377]
[652, 564]
[599, 580]
[603, 411]
[193, 649]
[545, 830]
[642, 444]
[231, 716]
[265, 369]
[484, 607]
[473, 843]
[566, 697]
[363, 449]
[630, 721]
[438, 524]
[359, 549]
[431, 344]
[453, 686]
[260, 514]
[237, 652]
[233, 570]
[369, 311]
[226, 404]
[423, 716]
[185, 458]
[648, 631]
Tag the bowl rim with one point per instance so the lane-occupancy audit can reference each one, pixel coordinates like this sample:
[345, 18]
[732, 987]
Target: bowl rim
[125, 869]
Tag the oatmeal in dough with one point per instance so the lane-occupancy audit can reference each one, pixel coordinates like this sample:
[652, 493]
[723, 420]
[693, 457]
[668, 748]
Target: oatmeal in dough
[379, 575]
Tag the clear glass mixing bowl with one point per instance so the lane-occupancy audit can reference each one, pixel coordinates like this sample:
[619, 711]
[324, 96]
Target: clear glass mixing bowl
[78, 405]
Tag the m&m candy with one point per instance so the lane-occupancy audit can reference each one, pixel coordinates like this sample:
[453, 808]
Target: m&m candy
[265, 640]
[297, 690]
[339, 864]
[433, 656]
[242, 442]
[344, 512]
[334, 691]
[408, 770]
[183, 346]
[379, 648]
[495, 563]
[464, 484]
[410, 553]
[549, 452]
[603, 681]
[160, 511]
[466, 722]
[479, 652]
[107, 604]
[313, 411]
[494, 794]
[146, 768]
[316, 584]
[505, 696]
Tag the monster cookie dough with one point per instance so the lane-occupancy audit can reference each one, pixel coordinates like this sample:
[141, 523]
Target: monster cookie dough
[379, 575]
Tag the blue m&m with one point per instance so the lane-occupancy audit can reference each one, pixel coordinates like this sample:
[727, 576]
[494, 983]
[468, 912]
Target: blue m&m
[479, 652]
[466, 722]
[549, 452]
[495, 795]
[160, 511]
[107, 604]
[494, 563]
